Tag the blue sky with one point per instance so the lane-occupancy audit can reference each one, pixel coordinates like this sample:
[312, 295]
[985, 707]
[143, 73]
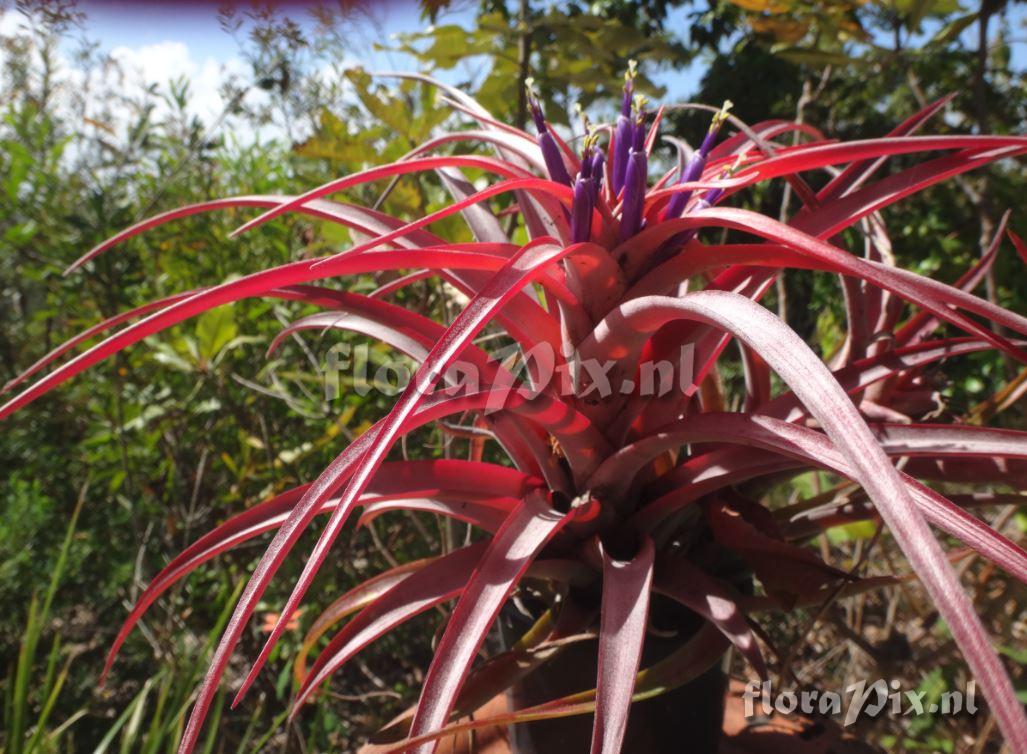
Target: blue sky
[196, 24]
[139, 25]
[162, 41]
[135, 24]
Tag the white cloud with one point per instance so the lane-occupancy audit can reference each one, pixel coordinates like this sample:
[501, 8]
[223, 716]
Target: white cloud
[10, 22]
[146, 65]
[167, 61]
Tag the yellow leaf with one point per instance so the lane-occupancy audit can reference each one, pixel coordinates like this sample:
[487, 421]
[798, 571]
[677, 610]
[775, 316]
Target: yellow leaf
[783, 30]
[762, 6]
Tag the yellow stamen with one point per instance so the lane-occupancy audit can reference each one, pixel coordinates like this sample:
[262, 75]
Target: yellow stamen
[721, 115]
[632, 72]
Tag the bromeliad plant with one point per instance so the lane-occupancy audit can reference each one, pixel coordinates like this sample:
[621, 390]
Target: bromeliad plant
[627, 493]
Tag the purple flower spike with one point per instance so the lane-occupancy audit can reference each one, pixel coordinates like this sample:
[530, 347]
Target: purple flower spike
[629, 89]
[710, 198]
[696, 163]
[598, 158]
[624, 131]
[714, 130]
[635, 180]
[536, 112]
[550, 149]
[634, 194]
[553, 158]
[621, 146]
[581, 209]
[586, 191]
[678, 240]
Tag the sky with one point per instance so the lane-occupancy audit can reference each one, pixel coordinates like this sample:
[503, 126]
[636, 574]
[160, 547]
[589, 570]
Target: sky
[156, 42]
[139, 25]
[159, 41]
[195, 24]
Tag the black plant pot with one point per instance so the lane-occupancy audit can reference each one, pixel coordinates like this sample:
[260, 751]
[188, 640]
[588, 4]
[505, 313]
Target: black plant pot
[688, 718]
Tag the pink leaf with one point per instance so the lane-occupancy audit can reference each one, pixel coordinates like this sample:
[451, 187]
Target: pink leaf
[521, 269]
[713, 600]
[440, 580]
[622, 627]
[792, 359]
[377, 173]
[509, 554]
[444, 479]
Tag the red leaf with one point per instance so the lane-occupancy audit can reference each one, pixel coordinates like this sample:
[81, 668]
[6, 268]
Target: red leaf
[835, 216]
[534, 184]
[786, 571]
[712, 599]
[622, 627]
[812, 156]
[504, 141]
[1021, 247]
[698, 655]
[858, 172]
[357, 598]
[861, 374]
[492, 165]
[508, 556]
[521, 269]
[929, 294]
[485, 514]
[96, 329]
[458, 480]
[316, 495]
[922, 323]
[715, 470]
[479, 218]
[253, 285]
[792, 359]
[367, 221]
[441, 579]
[948, 440]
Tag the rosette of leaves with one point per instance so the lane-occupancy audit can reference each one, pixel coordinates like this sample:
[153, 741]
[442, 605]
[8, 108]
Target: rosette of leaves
[605, 491]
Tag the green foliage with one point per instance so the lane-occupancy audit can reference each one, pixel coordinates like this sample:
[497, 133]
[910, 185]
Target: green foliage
[25, 732]
[576, 55]
[168, 452]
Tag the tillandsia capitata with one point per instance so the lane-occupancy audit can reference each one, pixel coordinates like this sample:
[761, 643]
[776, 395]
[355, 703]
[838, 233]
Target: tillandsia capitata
[622, 271]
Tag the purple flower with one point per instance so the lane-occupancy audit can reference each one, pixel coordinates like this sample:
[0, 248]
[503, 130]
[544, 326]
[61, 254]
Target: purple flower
[623, 131]
[550, 149]
[598, 158]
[681, 239]
[710, 198]
[586, 190]
[581, 209]
[635, 179]
[692, 172]
[696, 163]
